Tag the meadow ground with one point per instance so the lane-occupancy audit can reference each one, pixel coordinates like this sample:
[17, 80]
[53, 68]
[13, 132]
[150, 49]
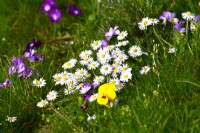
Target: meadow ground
[166, 99]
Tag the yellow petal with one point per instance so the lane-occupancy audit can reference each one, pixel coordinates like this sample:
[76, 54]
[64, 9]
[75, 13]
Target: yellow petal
[110, 94]
[102, 100]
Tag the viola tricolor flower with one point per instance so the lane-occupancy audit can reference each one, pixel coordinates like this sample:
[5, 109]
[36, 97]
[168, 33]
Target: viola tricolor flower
[111, 32]
[178, 26]
[74, 11]
[48, 5]
[55, 15]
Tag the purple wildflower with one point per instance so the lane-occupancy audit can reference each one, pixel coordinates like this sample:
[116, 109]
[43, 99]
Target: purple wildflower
[104, 43]
[48, 5]
[165, 16]
[179, 27]
[112, 32]
[85, 88]
[74, 11]
[30, 55]
[84, 106]
[55, 15]
[7, 82]
[33, 44]
[171, 18]
[1, 85]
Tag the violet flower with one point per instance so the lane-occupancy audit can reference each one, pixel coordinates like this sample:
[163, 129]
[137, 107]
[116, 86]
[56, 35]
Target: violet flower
[165, 16]
[104, 43]
[30, 55]
[171, 18]
[74, 11]
[55, 15]
[179, 27]
[33, 44]
[1, 85]
[48, 5]
[7, 82]
[112, 32]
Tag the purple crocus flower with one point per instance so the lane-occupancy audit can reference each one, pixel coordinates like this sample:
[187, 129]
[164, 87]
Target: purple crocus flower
[55, 15]
[74, 11]
[179, 27]
[112, 32]
[48, 5]
[165, 16]
[104, 43]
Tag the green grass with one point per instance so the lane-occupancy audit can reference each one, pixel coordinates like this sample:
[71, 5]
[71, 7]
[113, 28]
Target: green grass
[175, 76]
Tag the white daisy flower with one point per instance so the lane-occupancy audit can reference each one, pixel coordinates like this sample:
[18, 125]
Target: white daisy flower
[103, 56]
[116, 52]
[57, 78]
[135, 51]
[115, 70]
[145, 70]
[68, 90]
[153, 21]
[125, 76]
[42, 103]
[70, 64]
[93, 97]
[144, 23]
[85, 54]
[120, 86]
[121, 58]
[52, 95]
[98, 79]
[11, 119]
[39, 83]
[81, 72]
[106, 69]
[172, 50]
[93, 65]
[96, 44]
[188, 15]
[122, 43]
[109, 48]
[115, 81]
[86, 61]
[122, 35]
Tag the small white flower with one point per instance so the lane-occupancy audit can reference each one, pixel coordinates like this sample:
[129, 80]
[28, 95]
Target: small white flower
[153, 21]
[96, 44]
[145, 70]
[98, 79]
[93, 97]
[81, 72]
[57, 78]
[135, 51]
[124, 68]
[70, 64]
[39, 83]
[188, 15]
[115, 81]
[116, 52]
[86, 61]
[42, 103]
[52, 95]
[120, 86]
[91, 117]
[103, 56]
[68, 90]
[122, 43]
[106, 69]
[93, 65]
[109, 48]
[144, 23]
[172, 50]
[122, 35]
[85, 54]
[121, 58]
[11, 119]
[125, 76]
[3, 39]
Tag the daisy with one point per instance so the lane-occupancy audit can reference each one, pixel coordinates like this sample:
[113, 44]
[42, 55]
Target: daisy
[96, 44]
[70, 64]
[116, 52]
[188, 15]
[93, 97]
[120, 86]
[144, 23]
[125, 76]
[81, 72]
[91, 117]
[93, 65]
[39, 83]
[145, 70]
[125, 67]
[153, 21]
[122, 43]
[52, 95]
[121, 58]
[98, 79]
[115, 81]
[57, 78]
[172, 50]
[11, 119]
[135, 51]
[106, 69]
[109, 48]
[122, 35]
[115, 70]
[68, 90]
[85, 54]
[42, 103]
[86, 61]
[103, 56]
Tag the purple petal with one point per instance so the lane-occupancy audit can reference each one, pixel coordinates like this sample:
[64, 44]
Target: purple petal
[7, 82]
[72, 9]
[55, 15]
[104, 43]
[48, 5]
[1, 85]
[11, 70]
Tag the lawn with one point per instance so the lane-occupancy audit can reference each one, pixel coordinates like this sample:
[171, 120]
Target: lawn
[127, 66]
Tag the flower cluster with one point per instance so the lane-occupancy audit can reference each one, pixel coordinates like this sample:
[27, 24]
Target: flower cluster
[171, 17]
[50, 7]
[105, 66]
[18, 64]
